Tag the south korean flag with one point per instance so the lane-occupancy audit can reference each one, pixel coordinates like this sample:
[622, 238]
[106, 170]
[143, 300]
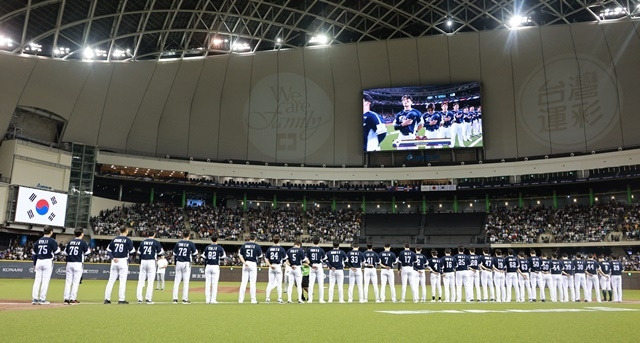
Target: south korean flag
[37, 206]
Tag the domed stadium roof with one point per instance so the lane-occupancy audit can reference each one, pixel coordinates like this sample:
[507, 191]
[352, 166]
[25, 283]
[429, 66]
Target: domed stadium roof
[157, 29]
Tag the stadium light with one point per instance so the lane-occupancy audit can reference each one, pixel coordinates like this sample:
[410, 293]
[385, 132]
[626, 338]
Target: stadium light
[33, 48]
[449, 22]
[61, 51]
[517, 20]
[6, 42]
[240, 46]
[613, 13]
[119, 53]
[320, 39]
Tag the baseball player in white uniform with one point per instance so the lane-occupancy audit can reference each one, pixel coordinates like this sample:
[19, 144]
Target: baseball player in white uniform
[119, 250]
[335, 261]
[43, 251]
[149, 250]
[274, 258]
[486, 276]
[75, 251]
[250, 254]
[183, 253]
[387, 260]
[212, 255]
[371, 261]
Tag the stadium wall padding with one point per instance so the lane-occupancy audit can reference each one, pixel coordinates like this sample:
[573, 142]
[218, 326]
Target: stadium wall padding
[546, 90]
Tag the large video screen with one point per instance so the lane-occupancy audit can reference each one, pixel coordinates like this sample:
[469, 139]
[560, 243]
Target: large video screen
[37, 206]
[425, 117]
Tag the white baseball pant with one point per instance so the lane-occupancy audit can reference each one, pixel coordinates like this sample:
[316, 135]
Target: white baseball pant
[355, 277]
[249, 274]
[43, 270]
[387, 276]
[211, 277]
[119, 270]
[148, 272]
[336, 276]
[371, 275]
[72, 281]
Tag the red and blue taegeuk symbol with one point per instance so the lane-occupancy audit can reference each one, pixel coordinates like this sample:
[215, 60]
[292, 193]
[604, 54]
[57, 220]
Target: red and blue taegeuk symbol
[42, 207]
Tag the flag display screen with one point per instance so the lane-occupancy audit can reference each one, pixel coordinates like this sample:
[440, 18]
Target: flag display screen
[37, 206]
[425, 117]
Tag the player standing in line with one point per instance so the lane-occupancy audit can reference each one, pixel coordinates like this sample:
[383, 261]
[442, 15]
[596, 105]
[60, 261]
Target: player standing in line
[43, 251]
[545, 278]
[534, 274]
[275, 256]
[605, 278]
[462, 276]
[457, 127]
[499, 278]
[474, 273]
[374, 129]
[371, 260]
[579, 278]
[183, 253]
[407, 121]
[567, 279]
[287, 272]
[512, 275]
[419, 275]
[449, 264]
[75, 251]
[295, 256]
[616, 278]
[212, 254]
[335, 260]
[558, 293]
[432, 123]
[523, 277]
[160, 272]
[355, 259]
[119, 250]
[486, 276]
[405, 270]
[250, 254]
[447, 120]
[387, 259]
[316, 257]
[592, 271]
[149, 250]
[466, 126]
[434, 263]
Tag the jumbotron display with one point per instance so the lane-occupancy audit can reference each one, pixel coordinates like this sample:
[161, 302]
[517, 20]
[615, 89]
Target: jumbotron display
[426, 117]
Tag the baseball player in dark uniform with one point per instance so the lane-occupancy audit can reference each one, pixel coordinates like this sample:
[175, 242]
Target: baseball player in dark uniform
[213, 254]
[274, 258]
[75, 251]
[149, 250]
[449, 265]
[434, 263]
[371, 261]
[407, 258]
[119, 250]
[295, 257]
[387, 260]
[183, 252]
[355, 259]
[316, 257]
[499, 276]
[432, 122]
[408, 121]
[43, 251]
[373, 128]
[250, 254]
[336, 259]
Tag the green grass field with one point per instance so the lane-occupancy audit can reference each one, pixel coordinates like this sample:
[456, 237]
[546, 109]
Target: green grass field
[386, 144]
[232, 322]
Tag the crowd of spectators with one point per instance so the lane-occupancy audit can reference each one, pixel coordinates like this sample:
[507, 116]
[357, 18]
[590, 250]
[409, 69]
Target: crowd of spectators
[330, 226]
[575, 223]
[166, 219]
[266, 223]
[227, 223]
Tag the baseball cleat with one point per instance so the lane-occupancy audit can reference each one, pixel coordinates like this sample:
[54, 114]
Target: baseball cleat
[107, 301]
[123, 302]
